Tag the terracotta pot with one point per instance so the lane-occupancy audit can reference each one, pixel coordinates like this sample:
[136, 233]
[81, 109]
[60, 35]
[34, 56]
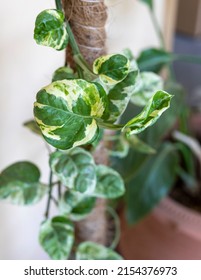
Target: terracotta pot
[170, 232]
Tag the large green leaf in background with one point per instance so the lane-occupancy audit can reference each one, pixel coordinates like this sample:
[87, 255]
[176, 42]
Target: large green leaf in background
[109, 183]
[56, 236]
[50, 29]
[153, 59]
[111, 68]
[158, 104]
[75, 205]
[66, 112]
[149, 83]
[75, 169]
[93, 251]
[151, 183]
[20, 183]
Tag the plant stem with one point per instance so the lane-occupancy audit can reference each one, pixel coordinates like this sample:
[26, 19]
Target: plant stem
[58, 5]
[116, 239]
[157, 28]
[49, 195]
[59, 189]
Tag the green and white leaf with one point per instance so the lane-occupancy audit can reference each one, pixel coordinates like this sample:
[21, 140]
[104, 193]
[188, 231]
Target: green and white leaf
[157, 105]
[93, 251]
[63, 73]
[75, 205]
[110, 184]
[120, 94]
[120, 146]
[56, 236]
[149, 83]
[111, 68]
[66, 112]
[75, 169]
[50, 29]
[139, 145]
[20, 184]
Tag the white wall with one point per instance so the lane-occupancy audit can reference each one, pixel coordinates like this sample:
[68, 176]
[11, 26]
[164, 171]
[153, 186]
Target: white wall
[24, 69]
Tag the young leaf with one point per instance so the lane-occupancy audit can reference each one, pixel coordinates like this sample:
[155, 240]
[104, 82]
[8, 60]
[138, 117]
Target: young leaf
[93, 251]
[76, 205]
[109, 183]
[151, 183]
[148, 84]
[66, 112]
[32, 125]
[111, 68]
[56, 236]
[151, 112]
[20, 183]
[119, 95]
[75, 169]
[139, 145]
[50, 29]
[63, 73]
[120, 146]
[149, 3]
[153, 60]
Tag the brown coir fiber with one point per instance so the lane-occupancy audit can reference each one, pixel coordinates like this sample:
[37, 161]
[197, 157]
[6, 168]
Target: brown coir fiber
[87, 20]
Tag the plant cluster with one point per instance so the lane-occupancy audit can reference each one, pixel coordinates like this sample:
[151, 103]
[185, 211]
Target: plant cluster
[71, 114]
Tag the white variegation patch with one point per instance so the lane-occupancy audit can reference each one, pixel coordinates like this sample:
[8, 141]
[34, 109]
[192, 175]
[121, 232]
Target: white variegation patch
[90, 132]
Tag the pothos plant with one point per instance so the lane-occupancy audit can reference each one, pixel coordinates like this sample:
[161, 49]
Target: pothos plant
[71, 114]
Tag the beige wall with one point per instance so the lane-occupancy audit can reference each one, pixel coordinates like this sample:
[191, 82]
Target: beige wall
[24, 69]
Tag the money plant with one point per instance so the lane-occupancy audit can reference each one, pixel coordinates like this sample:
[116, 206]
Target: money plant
[78, 110]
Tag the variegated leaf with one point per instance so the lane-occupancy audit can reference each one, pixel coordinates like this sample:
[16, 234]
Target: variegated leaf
[20, 183]
[109, 183]
[56, 236]
[75, 205]
[75, 169]
[93, 251]
[158, 104]
[66, 112]
[120, 94]
[111, 68]
[63, 73]
[148, 84]
[50, 29]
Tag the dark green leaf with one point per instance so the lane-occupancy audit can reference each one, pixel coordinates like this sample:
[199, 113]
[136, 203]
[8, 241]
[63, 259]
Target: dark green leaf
[111, 68]
[93, 251]
[76, 205]
[109, 183]
[20, 183]
[63, 73]
[66, 112]
[153, 60]
[151, 183]
[56, 236]
[50, 29]
[75, 169]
